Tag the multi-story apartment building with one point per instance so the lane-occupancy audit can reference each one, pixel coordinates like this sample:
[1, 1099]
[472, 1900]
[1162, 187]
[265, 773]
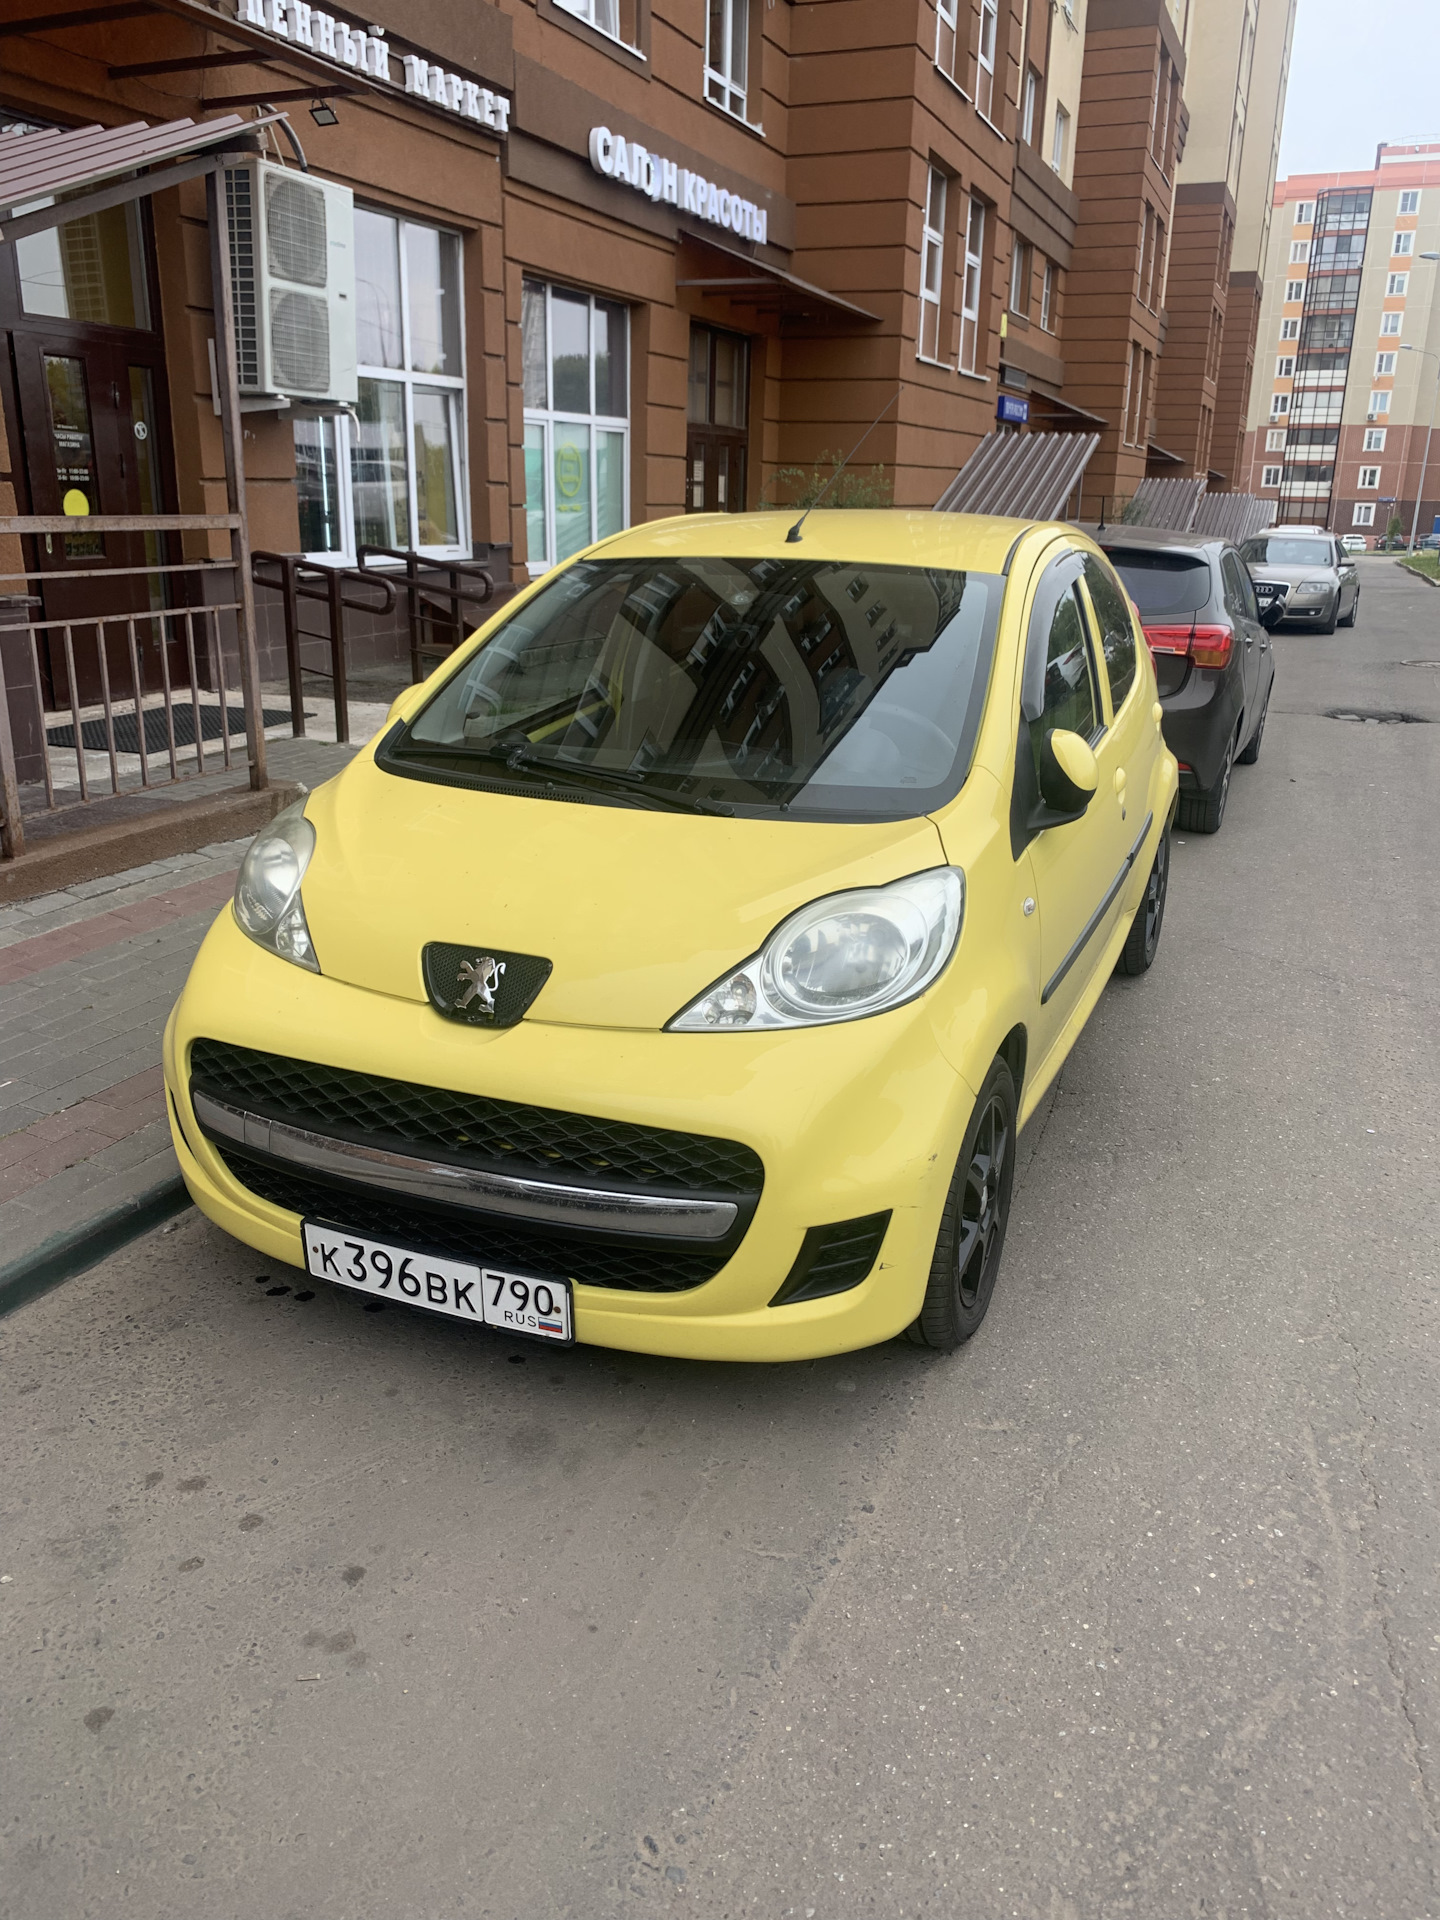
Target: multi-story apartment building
[1348, 367]
[614, 259]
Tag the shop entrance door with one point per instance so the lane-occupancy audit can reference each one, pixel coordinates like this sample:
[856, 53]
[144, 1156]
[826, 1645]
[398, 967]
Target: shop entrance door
[717, 438]
[90, 390]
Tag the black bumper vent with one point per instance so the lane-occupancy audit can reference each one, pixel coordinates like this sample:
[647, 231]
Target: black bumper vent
[833, 1259]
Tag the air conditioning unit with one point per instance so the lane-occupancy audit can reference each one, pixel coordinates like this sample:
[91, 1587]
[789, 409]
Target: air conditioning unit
[292, 272]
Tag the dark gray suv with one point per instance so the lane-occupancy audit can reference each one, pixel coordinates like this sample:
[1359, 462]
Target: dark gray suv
[1214, 665]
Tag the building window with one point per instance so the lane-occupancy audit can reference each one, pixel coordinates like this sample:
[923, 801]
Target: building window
[932, 267]
[1294, 289]
[970, 297]
[1270, 477]
[1390, 322]
[1060, 145]
[1279, 405]
[1379, 403]
[727, 55]
[393, 474]
[1031, 106]
[1384, 363]
[602, 14]
[1289, 329]
[946, 32]
[1299, 251]
[1275, 440]
[1020, 278]
[1369, 476]
[577, 430]
[1410, 200]
[1374, 440]
[985, 59]
[1048, 291]
[1403, 243]
[1398, 284]
[1304, 213]
[1364, 514]
[1137, 382]
[1285, 367]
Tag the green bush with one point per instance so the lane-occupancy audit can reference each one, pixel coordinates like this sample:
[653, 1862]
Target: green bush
[801, 487]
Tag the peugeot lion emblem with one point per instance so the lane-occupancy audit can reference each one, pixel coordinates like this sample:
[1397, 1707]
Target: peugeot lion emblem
[482, 978]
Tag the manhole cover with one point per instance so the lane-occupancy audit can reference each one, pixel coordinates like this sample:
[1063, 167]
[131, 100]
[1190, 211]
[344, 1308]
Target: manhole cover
[1376, 716]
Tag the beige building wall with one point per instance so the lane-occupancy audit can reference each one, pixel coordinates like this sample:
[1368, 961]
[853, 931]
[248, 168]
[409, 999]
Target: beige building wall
[1067, 60]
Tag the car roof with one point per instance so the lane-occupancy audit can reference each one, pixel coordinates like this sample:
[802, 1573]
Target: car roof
[874, 537]
[1160, 537]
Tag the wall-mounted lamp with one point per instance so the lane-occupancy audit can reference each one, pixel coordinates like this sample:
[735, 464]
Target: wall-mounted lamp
[323, 114]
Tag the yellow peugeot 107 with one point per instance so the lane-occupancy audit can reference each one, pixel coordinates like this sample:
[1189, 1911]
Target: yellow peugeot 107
[676, 969]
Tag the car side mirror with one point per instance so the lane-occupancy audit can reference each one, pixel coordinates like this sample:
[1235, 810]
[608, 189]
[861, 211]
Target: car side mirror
[1068, 774]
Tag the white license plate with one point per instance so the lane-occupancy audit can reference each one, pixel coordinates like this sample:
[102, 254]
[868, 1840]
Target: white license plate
[511, 1302]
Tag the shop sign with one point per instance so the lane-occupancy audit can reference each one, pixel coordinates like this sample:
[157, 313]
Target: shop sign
[626, 161]
[1013, 411]
[369, 53]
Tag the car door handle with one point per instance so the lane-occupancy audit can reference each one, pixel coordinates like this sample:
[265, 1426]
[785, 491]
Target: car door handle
[1120, 783]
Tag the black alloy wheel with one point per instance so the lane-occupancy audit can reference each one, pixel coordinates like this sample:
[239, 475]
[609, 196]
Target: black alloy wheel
[972, 1227]
[1138, 953]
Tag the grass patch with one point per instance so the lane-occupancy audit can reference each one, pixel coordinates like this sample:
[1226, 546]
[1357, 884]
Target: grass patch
[1427, 564]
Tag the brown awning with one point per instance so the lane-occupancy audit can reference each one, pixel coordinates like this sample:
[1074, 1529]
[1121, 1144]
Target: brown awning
[1153, 451]
[62, 160]
[1060, 414]
[755, 283]
[1030, 475]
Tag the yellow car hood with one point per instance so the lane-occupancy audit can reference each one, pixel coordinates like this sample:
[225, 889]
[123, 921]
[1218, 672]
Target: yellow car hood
[637, 910]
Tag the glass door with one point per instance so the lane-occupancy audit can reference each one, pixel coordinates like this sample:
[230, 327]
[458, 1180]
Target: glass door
[717, 434]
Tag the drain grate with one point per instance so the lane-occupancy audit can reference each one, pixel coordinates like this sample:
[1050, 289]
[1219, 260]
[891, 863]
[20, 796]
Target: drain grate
[1377, 716]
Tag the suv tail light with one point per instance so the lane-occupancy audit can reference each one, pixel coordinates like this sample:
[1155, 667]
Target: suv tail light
[1207, 646]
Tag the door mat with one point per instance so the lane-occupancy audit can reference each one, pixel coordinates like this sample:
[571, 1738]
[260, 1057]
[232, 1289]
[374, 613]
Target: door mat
[127, 738]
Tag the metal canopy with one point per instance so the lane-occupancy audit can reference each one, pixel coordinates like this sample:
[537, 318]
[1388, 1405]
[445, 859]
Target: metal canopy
[1029, 475]
[758, 284]
[1166, 503]
[1233, 516]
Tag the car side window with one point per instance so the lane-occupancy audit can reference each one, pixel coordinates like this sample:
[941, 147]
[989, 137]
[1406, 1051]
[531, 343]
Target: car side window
[1232, 575]
[1070, 701]
[1117, 629]
[1247, 588]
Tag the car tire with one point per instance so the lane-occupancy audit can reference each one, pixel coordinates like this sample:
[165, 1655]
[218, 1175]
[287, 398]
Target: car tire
[1141, 943]
[1252, 751]
[972, 1227]
[1354, 612]
[1202, 812]
[1330, 624]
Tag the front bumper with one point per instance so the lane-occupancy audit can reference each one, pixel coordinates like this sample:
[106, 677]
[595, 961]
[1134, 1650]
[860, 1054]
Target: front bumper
[1311, 613]
[849, 1120]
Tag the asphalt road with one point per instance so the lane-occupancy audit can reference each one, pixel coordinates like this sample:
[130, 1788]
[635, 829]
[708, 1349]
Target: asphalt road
[1131, 1608]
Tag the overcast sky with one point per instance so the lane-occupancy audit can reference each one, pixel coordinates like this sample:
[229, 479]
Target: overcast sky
[1353, 84]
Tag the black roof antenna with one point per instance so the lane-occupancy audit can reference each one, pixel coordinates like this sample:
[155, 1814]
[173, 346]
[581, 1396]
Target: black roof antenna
[793, 536]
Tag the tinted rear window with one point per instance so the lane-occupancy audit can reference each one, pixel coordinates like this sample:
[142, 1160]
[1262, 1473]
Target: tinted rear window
[1162, 584]
[1285, 550]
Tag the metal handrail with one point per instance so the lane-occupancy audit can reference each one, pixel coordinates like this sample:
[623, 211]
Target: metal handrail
[422, 581]
[302, 579]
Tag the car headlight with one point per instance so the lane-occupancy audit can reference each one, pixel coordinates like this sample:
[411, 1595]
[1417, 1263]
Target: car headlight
[1316, 586]
[841, 958]
[267, 893]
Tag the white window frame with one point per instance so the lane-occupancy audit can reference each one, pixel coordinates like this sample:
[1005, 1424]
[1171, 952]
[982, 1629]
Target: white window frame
[1299, 252]
[1275, 440]
[1294, 290]
[947, 36]
[1031, 101]
[971, 283]
[1385, 363]
[549, 416]
[722, 88]
[1410, 200]
[1285, 367]
[1369, 477]
[1397, 286]
[985, 58]
[1304, 213]
[1402, 245]
[1391, 323]
[1374, 440]
[1047, 297]
[1363, 514]
[1060, 139]
[345, 426]
[1379, 402]
[1270, 476]
[1290, 329]
[1022, 265]
[932, 269]
[599, 14]
[1279, 405]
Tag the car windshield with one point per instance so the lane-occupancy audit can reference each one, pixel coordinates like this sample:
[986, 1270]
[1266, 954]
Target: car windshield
[1281, 550]
[806, 686]
[1162, 584]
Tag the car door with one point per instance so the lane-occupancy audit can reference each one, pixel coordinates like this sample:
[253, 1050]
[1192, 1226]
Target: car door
[1079, 867]
[1239, 598]
[1349, 581]
[1264, 652]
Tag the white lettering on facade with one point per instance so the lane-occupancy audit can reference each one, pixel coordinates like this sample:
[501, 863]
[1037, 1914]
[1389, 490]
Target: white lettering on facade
[347, 46]
[617, 158]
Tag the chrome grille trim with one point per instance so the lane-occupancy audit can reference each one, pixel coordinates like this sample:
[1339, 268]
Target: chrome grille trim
[661, 1216]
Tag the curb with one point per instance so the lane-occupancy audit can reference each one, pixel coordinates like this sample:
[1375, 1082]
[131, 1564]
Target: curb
[1415, 574]
[64, 1255]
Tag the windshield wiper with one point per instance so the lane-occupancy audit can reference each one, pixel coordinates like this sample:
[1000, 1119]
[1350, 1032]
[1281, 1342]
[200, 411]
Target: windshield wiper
[633, 786]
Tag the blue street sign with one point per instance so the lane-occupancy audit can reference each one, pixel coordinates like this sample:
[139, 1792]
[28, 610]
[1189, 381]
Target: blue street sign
[1013, 411]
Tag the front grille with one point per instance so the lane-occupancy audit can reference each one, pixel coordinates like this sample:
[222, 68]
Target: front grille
[526, 1249]
[833, 1259]
[503, 1134]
